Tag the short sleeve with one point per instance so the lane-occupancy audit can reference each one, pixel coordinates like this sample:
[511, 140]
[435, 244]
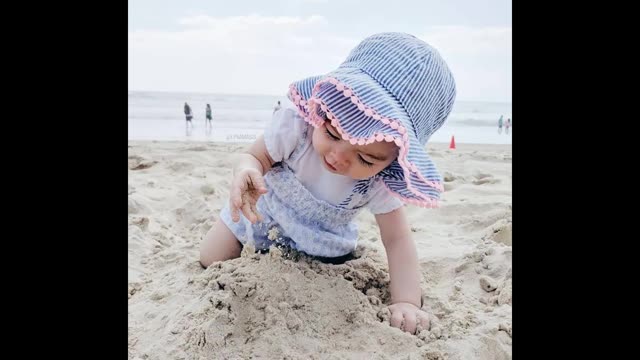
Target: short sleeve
[382, 201]
[283, 133]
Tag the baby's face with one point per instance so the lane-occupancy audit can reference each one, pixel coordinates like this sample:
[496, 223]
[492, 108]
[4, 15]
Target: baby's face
[355, 161]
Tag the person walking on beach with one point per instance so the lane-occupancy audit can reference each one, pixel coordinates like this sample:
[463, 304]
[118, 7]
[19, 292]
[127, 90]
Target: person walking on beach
[500, 125]
[277, 107]
[506, 126]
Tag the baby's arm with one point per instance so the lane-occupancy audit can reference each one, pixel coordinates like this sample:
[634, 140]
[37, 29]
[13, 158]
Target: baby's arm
[403, 269]
[257, 157]
[248, 184]
[220, 243]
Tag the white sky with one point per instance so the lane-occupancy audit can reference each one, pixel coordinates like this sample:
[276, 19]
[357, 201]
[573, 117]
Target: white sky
[260, 47]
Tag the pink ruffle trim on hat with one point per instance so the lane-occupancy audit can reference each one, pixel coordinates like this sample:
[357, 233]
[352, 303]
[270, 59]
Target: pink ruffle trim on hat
[307, 110]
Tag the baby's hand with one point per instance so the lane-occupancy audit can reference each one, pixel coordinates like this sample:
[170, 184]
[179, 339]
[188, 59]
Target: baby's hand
[246, 188]
[406, 316]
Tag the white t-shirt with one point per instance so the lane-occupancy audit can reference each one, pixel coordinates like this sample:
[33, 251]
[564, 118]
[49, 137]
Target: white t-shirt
[285, 133]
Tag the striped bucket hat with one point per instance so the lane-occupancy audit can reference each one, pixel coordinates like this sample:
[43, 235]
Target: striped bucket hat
[392, 87]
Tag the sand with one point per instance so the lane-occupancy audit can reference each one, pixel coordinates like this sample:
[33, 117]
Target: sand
[278, 306]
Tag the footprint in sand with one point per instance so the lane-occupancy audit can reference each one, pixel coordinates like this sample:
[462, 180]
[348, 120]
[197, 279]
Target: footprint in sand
[482, 178]
[139, 163]
[449, 177]
[178, 166]
[450, 181]
[449, 186]
[207, 189]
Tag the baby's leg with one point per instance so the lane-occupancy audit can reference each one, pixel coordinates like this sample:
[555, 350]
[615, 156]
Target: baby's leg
[219, 244]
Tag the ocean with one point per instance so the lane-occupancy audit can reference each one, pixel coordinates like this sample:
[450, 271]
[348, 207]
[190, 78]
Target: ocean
[241, 118]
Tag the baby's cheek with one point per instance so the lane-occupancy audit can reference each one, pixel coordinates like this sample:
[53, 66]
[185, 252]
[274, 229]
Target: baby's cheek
[317, 141]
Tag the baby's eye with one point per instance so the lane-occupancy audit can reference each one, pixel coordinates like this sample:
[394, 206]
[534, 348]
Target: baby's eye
[331, 136]
[363, 161]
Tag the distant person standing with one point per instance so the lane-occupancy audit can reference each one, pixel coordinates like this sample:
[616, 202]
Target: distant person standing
[207, 122]
[500, 125]
[189, 116]
[277, 107]
[209, 113]
[507, 125]
[187, 112]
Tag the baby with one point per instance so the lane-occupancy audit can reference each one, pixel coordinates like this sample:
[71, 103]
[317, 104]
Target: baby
[350, 139]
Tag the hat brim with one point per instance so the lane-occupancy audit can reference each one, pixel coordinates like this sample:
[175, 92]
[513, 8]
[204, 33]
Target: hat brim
[363, 112]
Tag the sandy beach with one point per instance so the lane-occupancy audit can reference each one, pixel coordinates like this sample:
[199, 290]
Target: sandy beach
[272, 306]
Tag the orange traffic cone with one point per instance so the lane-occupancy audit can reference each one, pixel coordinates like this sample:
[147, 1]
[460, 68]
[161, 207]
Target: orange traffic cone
[453, 143]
